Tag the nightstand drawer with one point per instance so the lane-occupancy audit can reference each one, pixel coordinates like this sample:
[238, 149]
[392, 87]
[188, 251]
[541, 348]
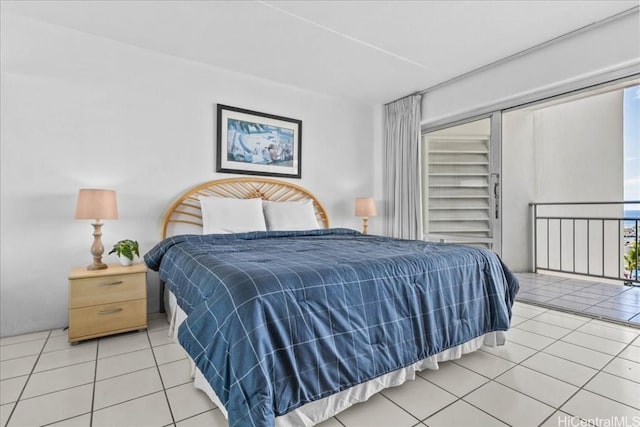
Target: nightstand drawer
[100, 319]
[106, 289]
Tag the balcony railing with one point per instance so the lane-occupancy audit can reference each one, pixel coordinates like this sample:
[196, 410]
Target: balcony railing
[592, 239]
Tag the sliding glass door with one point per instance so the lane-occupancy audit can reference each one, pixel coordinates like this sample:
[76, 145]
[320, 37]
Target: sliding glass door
[461, 183]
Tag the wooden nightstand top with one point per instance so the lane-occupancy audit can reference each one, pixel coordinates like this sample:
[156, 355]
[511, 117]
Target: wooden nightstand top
[112, 270]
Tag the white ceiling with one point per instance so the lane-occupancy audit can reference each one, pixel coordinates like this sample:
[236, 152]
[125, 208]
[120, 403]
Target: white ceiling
[364, 51]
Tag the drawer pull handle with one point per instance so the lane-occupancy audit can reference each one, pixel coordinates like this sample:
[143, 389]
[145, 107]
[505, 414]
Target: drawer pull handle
[110, 311]
[119, 282]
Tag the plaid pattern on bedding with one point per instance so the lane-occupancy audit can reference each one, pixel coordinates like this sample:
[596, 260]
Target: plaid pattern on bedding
[279, 319]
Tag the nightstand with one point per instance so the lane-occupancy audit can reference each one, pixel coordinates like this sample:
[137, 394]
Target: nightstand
[105, 302]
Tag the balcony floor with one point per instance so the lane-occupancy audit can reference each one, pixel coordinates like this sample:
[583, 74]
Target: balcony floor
[587, 297]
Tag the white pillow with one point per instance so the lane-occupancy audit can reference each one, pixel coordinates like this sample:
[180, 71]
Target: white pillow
[222, 215]
[290, 215]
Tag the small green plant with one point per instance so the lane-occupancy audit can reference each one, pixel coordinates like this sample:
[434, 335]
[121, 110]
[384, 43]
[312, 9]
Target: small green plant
[127, 248]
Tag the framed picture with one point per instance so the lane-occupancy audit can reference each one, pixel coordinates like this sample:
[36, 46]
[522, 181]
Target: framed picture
[256, 143]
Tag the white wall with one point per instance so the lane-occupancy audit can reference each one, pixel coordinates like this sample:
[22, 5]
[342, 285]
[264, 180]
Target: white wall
[83, 111]
[518, 189]
[569, 152]
[575, 61]
[579, 150]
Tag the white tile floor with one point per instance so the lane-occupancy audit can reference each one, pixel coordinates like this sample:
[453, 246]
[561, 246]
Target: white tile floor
[556, 370]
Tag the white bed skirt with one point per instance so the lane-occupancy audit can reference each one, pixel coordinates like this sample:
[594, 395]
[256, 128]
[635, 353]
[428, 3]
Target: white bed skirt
[315, 412]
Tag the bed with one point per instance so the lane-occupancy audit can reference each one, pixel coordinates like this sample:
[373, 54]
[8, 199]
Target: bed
[290, 327]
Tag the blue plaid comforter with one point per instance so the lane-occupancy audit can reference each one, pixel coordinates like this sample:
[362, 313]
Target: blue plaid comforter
[279, 319]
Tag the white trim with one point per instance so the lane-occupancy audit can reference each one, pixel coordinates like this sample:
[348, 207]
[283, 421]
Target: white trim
[626, 71]
[532, 49]
[527, 51]
[496, 179]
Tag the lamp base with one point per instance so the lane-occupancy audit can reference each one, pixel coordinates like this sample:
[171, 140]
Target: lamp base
[97, 249]
[365, 225]
[96, 266]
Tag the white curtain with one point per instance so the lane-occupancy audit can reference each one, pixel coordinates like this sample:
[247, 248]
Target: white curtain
[403, 184]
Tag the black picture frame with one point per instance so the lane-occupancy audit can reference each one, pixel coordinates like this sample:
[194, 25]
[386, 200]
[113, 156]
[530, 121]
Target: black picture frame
[254, 143]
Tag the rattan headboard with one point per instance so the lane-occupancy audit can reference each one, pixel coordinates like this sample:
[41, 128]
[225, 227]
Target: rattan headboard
[184, 215]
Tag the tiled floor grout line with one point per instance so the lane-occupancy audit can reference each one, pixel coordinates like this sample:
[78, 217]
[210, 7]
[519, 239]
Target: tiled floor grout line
[615, 357]
[55, 391]
[606, 397]
[164, 390]
[598, 371]
[606, 324]
[21, 343]
[59, 367]
[381, 393]
[335, 417]
[26, 341]
[459, 398]
[484, 384]
[93, 389]
[43, 352]
[124, 353]
[130, 351]
[195, 415]
[542, 373]
[63, 349]
[125, 401]
[65, 419]
[517, 391]
[559, 407]
[581, 388]
[566, 342]
[138, 370]
[27, 382]
[577, 345]
[556, 408]
[95, 380]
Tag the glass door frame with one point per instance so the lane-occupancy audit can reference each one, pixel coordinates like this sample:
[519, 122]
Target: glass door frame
[495, 170]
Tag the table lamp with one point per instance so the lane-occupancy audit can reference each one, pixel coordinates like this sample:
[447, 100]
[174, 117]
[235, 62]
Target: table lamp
[97, 205]
[365, 207]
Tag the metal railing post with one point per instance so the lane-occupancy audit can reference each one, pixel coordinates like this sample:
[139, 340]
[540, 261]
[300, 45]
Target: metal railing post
[620, 245]
[535, 237]
[603, 272]
[548, 243]
[636, 266]
[560, 243]
[588, 245]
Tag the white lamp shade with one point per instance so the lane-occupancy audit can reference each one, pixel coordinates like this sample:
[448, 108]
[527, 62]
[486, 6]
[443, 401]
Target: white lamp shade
[365, 206]
[96, 204]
